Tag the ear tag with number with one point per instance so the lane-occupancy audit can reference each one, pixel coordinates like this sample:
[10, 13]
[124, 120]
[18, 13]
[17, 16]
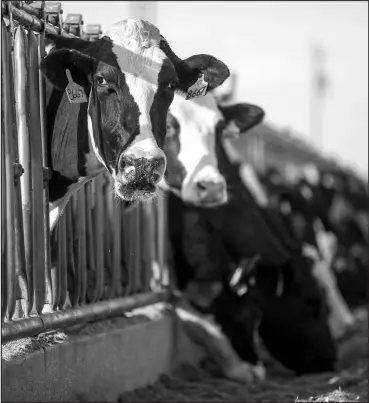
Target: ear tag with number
[198, 89]
[76, 94]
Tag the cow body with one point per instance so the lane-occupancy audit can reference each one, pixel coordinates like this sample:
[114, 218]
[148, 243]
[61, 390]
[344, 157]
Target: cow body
[127, 81]
[240, 229]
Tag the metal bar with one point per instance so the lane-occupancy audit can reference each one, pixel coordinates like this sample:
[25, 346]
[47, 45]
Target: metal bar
[62, 262]
[91, 267]
[70, 251]
[9, 125]
[33, 326]
[3, 213]
[156, 241]
[43, 125]
[81, 242]
[128, 250]
[31, 22]
[20, 116]
[147, 245]
[123, 242]
[37, 174]
[136, 234]
[109, 224]
[27, 8]
[162, 240]
[99, 241]
[117, 242]
[20, 51]
[75, 243]
[55, 276]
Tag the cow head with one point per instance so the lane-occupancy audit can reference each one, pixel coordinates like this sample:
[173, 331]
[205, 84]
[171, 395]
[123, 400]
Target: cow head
[192, 128]
[129, 78]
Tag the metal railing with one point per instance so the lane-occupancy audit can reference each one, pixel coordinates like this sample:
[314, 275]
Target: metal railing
[102, 258]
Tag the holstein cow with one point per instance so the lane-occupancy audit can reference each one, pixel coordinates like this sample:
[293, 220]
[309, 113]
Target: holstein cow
[107, 103]
[300, 216]
[196, 183]
[206, 177]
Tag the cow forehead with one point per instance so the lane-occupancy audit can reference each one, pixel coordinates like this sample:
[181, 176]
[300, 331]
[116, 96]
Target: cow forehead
[197, 117]
[136, 45]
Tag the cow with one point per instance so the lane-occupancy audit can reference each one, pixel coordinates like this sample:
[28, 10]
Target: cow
[107, 103]
[300, 215]
[209, 181]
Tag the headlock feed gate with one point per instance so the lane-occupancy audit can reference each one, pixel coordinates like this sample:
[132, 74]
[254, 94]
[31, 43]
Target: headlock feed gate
[102, 258]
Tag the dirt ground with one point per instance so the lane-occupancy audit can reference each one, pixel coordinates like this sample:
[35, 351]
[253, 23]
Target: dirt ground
[194, 384]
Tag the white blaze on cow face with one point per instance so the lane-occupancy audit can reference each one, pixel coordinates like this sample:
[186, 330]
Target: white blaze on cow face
[203, 184]
[136, 44]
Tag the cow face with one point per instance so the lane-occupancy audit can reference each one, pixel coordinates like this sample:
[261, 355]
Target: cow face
[193, 145]
[129, 78]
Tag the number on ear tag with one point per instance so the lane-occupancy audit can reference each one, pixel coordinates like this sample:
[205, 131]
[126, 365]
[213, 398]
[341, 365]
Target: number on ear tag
[198, 89]
[76, 94]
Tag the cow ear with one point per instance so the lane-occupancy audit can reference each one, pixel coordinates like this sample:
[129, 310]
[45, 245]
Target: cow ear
[240, 118]
[55, 64]
[215, 72]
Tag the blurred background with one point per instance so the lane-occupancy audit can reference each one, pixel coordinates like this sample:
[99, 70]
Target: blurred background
[305, 63]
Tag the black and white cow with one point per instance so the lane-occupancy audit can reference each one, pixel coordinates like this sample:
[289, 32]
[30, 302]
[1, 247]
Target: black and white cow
[300, 215]
[206, 177]
[116, 119]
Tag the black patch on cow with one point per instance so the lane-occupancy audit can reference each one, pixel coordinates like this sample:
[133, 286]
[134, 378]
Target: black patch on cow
[58, 186]
[161, 102]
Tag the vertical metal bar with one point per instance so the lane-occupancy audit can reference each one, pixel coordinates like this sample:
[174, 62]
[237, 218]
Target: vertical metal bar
[123, 242]
[62, 262]
[146, 244]
[127, 242]
[47, 258]
[99, 241]
[91, 267]
[81, 241]
[116, 251]
[71, 272]
[162, 241]
[75, 244]
[109, 224]
[55, 269]
[19, 116]
[4, 221]
[37, 175]
[136, 233]
[9, 125]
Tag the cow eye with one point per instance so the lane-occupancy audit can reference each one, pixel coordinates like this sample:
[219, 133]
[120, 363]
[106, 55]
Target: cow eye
[173, 85]
[101, 80]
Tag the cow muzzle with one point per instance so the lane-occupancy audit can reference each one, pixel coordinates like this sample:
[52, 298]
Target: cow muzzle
[137, 178]
[211, 192]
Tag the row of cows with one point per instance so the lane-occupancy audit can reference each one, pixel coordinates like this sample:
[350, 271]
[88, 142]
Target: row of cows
[283, 260]
[264, 258]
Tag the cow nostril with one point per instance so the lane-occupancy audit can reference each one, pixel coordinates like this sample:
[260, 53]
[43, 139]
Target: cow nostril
[126, 166]
[201, 185]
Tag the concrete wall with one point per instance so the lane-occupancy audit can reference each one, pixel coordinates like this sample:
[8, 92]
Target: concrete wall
[100, 366]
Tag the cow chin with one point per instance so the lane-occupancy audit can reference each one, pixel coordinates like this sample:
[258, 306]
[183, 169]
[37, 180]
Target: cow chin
[133, 192]
[205, 203]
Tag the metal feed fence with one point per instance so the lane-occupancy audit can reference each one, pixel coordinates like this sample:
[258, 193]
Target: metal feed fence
[102, 258]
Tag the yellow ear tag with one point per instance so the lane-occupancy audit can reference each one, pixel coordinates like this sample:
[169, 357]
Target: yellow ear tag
[198, 89]
[76, 94]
